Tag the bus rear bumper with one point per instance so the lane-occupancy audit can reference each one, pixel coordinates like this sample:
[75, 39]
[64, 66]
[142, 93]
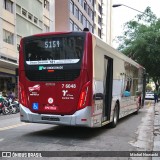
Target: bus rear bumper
[79, 118]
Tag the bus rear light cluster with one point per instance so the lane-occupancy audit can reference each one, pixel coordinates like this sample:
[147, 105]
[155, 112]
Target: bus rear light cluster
[83, 96]
[22, 95]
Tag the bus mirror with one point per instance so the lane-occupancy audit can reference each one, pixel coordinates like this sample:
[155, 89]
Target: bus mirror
[16, 70]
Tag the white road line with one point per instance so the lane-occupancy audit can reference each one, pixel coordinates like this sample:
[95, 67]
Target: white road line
[13, 126]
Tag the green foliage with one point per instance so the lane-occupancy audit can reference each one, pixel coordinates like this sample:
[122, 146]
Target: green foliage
[141, 42]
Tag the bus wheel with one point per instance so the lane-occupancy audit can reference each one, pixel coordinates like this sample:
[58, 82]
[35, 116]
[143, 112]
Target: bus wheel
[115, 117]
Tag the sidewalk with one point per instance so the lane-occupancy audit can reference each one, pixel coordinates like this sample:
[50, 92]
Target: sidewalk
[156, 131]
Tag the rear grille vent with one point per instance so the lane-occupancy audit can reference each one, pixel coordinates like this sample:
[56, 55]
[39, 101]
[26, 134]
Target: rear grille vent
[57, 75]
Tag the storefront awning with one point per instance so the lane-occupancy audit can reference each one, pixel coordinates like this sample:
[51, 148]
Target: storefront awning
[6, 65]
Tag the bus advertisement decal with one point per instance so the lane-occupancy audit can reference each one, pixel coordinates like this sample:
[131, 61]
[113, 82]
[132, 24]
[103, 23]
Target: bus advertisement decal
[40, 68]
[34, 88]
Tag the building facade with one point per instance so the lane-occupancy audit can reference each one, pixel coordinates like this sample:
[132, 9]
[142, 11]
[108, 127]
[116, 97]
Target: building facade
[78, 14]
[19, 18]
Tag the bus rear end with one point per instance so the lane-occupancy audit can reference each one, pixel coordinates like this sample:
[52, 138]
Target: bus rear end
[55, 78]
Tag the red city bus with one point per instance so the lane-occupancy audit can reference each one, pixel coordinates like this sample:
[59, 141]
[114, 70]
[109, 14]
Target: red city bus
[74, 78]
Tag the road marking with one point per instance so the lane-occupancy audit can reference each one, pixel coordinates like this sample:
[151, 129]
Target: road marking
[13, 126]
[149, 104]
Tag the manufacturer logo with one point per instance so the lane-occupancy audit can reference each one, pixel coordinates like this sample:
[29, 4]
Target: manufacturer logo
[64, 92]
[50, 100]
[34, 88]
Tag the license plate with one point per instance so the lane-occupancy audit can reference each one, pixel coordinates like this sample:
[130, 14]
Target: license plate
[50, 118]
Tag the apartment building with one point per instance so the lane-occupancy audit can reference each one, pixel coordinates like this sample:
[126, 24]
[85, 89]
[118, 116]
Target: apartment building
[19, 18]
[74, 15]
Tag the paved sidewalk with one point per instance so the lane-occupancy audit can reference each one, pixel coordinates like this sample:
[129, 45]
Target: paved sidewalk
[156, 131]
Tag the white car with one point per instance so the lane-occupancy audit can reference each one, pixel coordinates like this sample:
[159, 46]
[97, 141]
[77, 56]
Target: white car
[149, 95]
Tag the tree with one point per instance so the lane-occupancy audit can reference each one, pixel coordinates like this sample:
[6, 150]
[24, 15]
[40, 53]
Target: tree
[141, 42]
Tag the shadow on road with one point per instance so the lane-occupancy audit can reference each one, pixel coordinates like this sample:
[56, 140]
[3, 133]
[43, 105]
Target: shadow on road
[68, 132]
[75, 133]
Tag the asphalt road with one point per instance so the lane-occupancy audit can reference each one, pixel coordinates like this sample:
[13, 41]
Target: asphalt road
[131, 134]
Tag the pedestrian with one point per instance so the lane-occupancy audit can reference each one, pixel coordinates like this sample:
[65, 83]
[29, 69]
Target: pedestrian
[155, 96]
[11, 96]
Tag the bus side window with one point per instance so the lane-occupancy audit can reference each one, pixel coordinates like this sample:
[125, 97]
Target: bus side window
[127, 91]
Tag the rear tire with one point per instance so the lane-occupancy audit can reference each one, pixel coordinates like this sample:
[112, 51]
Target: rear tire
[6, 111]
[114, 122]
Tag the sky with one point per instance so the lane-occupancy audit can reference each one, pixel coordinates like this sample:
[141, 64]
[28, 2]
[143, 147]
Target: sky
[124, 14]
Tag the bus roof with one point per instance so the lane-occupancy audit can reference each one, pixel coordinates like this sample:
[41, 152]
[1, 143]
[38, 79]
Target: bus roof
[115, 52]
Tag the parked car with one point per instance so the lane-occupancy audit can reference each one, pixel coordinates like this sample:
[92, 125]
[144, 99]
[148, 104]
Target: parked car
[149, 95]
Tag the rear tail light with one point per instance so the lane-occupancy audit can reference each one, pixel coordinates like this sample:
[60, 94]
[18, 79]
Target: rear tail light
[22, 95]
[83, 96]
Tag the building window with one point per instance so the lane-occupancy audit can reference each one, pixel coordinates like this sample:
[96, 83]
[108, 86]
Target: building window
[90, 27]
[76, 12]
[8, 37]
[35, 20]
[99, 8]
[81, 17]
[99, 32]
[99, 20]
[76, 27]
[46, 28]
[71, 7]
[30, 16]
[8, 5]
[81, 2]
[87, 24]
[92, 15]
[92, 2]
[71, 25]
[89, 11]
[46, 4]
[24, 12]
[85, 6]
[84, 22]
[18, 41]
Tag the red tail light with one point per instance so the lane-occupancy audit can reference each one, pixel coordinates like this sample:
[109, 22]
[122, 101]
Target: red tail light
[22, 95]
[83, 96]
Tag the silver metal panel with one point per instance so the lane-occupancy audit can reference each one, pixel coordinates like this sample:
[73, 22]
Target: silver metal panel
[79, 118]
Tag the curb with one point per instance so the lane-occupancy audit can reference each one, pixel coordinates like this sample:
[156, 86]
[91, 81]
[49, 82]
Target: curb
[156, 131]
